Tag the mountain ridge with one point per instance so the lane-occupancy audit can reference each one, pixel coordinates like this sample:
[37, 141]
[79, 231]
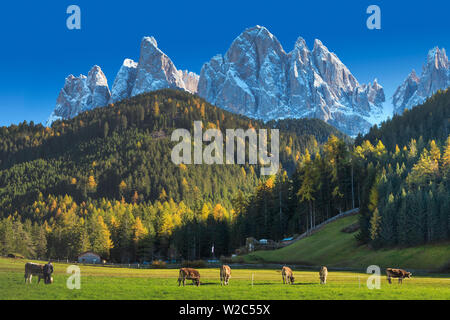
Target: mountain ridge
[257, 78]
[416, 89]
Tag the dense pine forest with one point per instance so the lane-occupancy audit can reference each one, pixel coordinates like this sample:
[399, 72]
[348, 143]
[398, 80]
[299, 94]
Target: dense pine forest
[104, 182]
[402, 188]
[407, 196]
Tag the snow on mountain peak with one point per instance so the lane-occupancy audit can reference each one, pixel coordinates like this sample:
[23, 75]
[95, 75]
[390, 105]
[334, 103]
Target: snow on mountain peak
[150, 40]
[130, 63]
[124, 82]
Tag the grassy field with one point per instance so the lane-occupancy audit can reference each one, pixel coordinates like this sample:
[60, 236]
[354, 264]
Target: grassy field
[119, 283]
[332, 247]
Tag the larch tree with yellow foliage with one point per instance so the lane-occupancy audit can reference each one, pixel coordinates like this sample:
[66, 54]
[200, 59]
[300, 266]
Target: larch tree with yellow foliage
[99, 236]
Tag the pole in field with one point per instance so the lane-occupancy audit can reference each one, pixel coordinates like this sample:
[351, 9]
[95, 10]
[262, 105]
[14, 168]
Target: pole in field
[252, 278]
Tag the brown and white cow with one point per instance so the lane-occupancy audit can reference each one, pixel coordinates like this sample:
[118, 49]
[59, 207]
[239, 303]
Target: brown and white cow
[288, 275]
[225, 274]
[397, 273]
[323, 273]
[33, 269]
[189, 274]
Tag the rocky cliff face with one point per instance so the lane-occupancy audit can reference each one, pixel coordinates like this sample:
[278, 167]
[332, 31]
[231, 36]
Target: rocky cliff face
[124, 82]
[190, 80]
[415, 90]
[154, 71]
[257, 78]
[80, 94]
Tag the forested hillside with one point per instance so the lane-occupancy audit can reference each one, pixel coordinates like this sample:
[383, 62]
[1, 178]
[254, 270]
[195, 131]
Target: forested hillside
[406, 199]
[431, 121]
[402, 190]
[105, 181]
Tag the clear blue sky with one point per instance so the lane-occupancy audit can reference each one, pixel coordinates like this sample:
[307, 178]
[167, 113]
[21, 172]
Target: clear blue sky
[38, 51]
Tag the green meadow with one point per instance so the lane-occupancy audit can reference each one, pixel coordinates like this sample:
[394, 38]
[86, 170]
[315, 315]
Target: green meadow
[138, 284]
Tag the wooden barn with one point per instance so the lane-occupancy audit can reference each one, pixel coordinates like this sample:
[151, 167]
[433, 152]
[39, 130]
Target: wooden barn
[89, 257]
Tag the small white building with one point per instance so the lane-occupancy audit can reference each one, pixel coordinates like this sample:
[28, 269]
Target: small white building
[89, 257]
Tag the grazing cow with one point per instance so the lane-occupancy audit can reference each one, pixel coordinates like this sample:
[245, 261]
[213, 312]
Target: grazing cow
[323, 273]
[225, 274]
[189, 274]
[397, 273]
[48, 270]
[288, 275]
[34, 269]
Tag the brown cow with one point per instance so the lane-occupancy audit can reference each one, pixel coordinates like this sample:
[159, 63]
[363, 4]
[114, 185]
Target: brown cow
[323, 273]
[287, 275]
[34, 269]
[189, 274]
[225, 274]
[397, 273]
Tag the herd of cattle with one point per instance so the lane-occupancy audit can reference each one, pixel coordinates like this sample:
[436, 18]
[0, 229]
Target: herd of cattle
[286, 274]
[45, 272]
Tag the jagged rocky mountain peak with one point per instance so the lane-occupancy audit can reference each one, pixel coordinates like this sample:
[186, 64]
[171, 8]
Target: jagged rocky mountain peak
[416, 89]
[154, 70]
[149, 40]
[257, 78]
[96, 77]
[437, 58]
[413, 76]
[80, 94]
[124, 82]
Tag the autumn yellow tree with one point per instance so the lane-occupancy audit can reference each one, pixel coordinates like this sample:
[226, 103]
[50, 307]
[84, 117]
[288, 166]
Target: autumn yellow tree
[91, 183]
[139, 230]
[99, 236]
[156, 108]
[446, 158]
[219, 212]
[135, 197]
[205, 212]
[163, 194]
